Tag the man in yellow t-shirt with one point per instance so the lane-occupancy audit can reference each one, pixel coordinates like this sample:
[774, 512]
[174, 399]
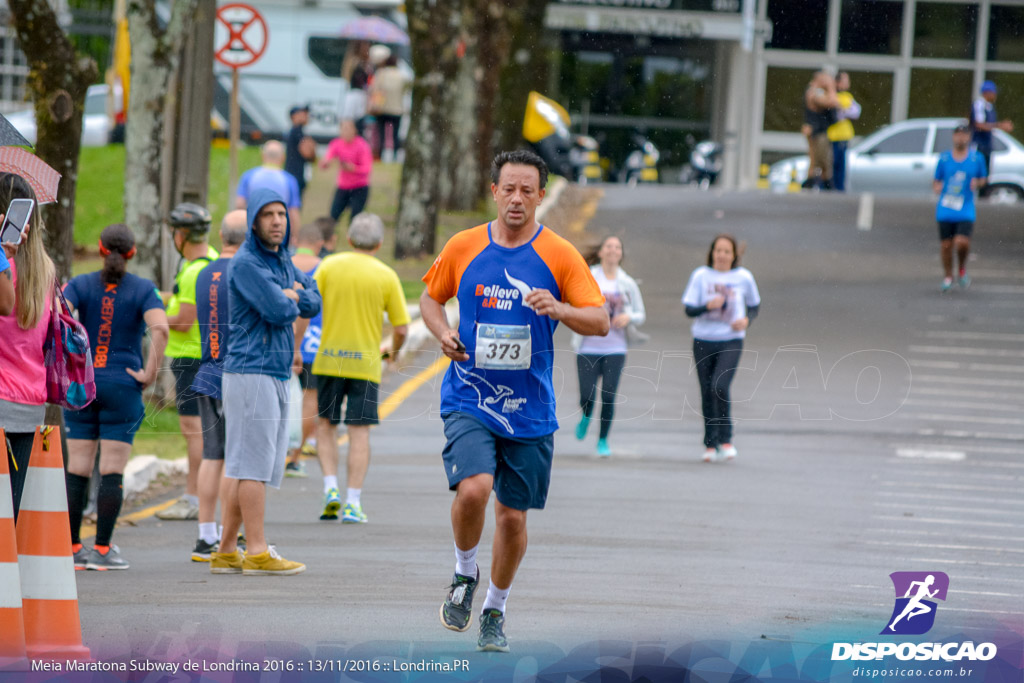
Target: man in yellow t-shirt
[841, 132]
[190, 226]
[357, 288]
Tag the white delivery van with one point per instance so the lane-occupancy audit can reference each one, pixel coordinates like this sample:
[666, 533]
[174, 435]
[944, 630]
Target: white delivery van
[301, 65]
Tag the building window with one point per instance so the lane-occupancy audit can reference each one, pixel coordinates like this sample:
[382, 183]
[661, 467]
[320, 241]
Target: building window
[798, 24]
[871, 27]
[873, 92]
[945, 30]
[1006, 34]
[588, 76]
[327, 53]
[940, 92]
[784, 98]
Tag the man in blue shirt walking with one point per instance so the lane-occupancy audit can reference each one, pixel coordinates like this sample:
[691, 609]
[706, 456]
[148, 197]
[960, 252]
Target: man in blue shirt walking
[959, 173]
[983, 121]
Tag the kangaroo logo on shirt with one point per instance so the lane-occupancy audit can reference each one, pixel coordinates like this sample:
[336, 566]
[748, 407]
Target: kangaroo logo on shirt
[494, 394]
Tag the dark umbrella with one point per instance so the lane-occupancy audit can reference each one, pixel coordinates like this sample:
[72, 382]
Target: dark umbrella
[9, 135]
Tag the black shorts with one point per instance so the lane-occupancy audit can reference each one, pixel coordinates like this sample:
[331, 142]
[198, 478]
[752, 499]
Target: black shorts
[185, 397]
[306, 379]
[211, 412]
[361, 405]
[950, 229]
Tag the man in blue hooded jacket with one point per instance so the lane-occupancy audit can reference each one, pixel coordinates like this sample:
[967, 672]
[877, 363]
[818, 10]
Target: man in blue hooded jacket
[266, 293]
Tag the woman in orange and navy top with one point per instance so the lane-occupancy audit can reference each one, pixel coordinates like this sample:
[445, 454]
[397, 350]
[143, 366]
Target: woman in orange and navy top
[116, 307]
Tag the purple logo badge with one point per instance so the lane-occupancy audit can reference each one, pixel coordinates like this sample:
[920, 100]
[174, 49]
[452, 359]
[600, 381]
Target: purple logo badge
[914, 612]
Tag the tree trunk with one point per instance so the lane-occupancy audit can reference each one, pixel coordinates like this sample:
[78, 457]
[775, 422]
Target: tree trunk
[58, 80]
[155, 53]
[434, 30]
[461, 176]
[524, 69]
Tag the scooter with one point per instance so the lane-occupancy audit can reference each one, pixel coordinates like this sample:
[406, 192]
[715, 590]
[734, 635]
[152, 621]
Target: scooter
[641, 164]
[546, 128]
[705, 164]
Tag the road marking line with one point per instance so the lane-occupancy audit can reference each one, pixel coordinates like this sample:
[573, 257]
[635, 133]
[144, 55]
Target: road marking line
[989, 593]
[970, 380]
[924, 561]
[954, 456]
[950, 522]
[943, 508]
[936, 471]
[976, 436]
[971, 336]
[953, 419]
[959, 499]
[966, 351]
[968, 405]
[949, 487]
[1000, 289]
[965, 393]
[917, 533]
[958, 365]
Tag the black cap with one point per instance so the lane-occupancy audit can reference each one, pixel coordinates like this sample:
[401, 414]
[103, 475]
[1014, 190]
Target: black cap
[296, 109]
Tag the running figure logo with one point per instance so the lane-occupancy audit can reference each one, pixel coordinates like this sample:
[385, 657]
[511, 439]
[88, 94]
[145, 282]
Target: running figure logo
[915, 588]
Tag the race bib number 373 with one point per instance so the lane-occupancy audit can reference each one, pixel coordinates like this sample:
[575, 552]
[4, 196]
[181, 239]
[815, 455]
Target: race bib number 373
[503, 347]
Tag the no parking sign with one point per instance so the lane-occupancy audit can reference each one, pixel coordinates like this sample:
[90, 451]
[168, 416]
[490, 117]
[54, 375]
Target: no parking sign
[240, 36]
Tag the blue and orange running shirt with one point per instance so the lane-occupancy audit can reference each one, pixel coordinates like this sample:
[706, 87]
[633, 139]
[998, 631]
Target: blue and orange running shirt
[506, 383]
[113, 316]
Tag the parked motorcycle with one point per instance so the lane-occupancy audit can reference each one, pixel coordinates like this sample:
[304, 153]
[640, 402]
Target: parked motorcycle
[705, 164]
[641, 164]
[546, 128]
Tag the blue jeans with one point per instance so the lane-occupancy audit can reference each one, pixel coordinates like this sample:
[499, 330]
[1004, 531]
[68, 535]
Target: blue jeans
[839, 165]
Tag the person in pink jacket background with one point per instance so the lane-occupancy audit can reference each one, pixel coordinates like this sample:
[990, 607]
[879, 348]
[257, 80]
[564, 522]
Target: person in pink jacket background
[356, 161]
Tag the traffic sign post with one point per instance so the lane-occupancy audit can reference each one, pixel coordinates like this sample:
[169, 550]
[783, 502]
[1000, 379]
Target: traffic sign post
[240, 40]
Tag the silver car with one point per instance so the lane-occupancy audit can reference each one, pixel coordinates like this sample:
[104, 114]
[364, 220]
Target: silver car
[901, 158]
[96, 123]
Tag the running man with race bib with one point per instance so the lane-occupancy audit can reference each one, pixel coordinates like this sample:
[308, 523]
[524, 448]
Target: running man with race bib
[514, 280]
[959, 173]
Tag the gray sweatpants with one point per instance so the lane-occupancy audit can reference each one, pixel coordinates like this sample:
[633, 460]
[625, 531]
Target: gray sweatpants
[256, 427]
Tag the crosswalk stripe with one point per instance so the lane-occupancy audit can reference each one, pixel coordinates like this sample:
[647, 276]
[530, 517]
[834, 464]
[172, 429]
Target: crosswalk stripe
[960, 365]
[971, 336]
[967, 351]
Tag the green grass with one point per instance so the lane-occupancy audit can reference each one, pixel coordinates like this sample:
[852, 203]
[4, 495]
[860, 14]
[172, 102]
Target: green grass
[160, 434]
[99, 196]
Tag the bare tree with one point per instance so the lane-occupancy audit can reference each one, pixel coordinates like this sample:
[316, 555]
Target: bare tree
[156, 52]
[58, 80]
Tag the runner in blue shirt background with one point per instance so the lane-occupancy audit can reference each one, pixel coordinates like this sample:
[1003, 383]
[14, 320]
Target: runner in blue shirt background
[212, 315]
[959, 173]
[116, 307]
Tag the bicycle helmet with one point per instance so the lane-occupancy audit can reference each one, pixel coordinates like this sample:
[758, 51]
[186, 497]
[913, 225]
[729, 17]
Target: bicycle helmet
[191, 217]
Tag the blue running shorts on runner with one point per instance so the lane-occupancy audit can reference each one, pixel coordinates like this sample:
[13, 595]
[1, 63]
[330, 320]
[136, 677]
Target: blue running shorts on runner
[115, 415]
[521, 468]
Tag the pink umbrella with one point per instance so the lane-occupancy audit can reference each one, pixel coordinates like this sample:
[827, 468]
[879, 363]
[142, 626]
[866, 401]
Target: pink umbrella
[40, 176]
[375, 30]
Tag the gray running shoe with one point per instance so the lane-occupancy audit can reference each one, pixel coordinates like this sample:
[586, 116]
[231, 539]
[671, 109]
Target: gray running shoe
[457, 610]
[81, 557]
[182, 509]
[492, 632]
[104, 562]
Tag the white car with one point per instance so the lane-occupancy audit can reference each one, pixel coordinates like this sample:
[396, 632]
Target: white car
[901, 158]
[96, 124]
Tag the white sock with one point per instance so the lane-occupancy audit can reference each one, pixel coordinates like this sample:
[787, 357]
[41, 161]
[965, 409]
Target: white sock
[465, 561]
[208, 532]
[352, 496]
[330, 482]
[496, 598]
[192, 499]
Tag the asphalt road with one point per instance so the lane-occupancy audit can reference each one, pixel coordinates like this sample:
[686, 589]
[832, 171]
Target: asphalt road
[880, 429]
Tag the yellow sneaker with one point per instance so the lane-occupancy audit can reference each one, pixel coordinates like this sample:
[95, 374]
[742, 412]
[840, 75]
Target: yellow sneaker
[226, 563]
[270, 563]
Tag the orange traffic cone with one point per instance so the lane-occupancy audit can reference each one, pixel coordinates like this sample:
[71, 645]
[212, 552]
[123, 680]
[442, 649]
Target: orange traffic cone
[48, 590]
[12, 622]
